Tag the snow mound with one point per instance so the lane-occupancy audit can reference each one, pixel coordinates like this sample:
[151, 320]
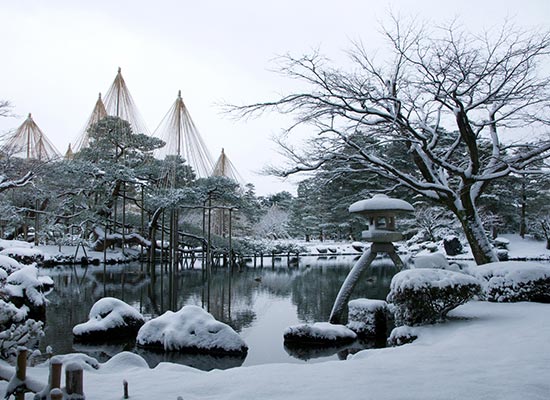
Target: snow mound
[123, 361]
[515, 281]
[83, 361]
[319, 333]
[108, 318]
[190, 329]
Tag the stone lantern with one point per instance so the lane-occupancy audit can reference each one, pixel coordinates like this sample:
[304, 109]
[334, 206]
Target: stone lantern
[381, 212]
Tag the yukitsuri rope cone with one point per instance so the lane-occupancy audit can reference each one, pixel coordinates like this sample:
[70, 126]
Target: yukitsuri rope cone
[30, 142]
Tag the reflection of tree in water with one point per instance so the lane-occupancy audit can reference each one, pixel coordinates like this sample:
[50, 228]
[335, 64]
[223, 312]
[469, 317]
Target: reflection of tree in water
[314, 293]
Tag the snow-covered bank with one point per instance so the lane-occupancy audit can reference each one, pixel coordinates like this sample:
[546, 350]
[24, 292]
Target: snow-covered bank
[487, 351]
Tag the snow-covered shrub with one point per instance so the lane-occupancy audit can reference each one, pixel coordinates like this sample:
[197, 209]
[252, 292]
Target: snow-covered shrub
[9, 265]
[402, 335]
[19, 333]
[424, 296]
[321, 333]
[190, 329]
[16, 330]
[368, 317]
[515, 281]
[109, 318]
[25, 288]
[25, 255]
[254, 246]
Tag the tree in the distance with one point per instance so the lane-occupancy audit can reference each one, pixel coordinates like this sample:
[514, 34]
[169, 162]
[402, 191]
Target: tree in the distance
[443, 97]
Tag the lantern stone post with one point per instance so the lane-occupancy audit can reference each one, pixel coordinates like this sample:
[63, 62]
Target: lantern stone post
[381, 212]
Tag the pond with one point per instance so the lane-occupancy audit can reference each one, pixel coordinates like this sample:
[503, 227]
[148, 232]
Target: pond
[259, 303]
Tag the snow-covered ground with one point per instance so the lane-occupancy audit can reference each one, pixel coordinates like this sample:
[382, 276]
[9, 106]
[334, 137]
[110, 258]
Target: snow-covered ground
[487, 351]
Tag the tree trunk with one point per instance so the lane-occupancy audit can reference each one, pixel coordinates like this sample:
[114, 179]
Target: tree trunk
[482, 250]
[523, 206]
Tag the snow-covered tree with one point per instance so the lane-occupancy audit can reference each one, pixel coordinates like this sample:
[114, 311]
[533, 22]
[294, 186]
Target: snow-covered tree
[442, 96]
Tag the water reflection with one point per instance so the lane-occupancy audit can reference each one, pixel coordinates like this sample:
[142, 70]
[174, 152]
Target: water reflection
[257, 302]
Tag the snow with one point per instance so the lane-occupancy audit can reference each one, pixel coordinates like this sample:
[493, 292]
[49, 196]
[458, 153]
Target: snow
[5, 244]
[191, 328]
[380, 202]
[420, 278]
[22, 252]
[436, 260]
[321, 331]
[485, 352]
[26, 282]
[362, 316]
[367, 305]
[8, 264]
[513, 272]
[107, 313]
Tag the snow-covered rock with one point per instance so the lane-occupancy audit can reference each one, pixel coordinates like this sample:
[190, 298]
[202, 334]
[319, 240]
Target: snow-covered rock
[424, 296]
[515, 281]
[501, 242]
[109, 318]
[190, 329]
[452, 245]
[367, 317]
[435, 260]
[402, 335]
[319, 333]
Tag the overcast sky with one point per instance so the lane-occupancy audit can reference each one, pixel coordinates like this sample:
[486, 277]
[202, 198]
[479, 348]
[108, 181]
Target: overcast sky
[56, 56]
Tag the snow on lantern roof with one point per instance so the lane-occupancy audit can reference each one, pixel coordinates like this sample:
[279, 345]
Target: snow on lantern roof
[380, 203]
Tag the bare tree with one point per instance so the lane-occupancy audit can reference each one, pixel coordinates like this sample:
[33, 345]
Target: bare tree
[443, 97]
[5, 108]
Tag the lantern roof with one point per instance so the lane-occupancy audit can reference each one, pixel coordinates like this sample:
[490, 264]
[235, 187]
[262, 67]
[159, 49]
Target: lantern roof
[380, 203]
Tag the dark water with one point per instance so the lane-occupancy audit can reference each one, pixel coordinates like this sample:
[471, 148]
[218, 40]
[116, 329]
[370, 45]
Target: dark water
[259, 303]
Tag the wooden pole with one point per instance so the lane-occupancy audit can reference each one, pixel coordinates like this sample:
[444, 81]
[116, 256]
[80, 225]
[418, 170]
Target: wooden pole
[208, 245]
[74, 381]
[162, 243]
[230, 242]
[56, 394]
[36, 223]
[55, 373]
[123, 213]
[142, 231]
[21, 370]
[125, 388]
